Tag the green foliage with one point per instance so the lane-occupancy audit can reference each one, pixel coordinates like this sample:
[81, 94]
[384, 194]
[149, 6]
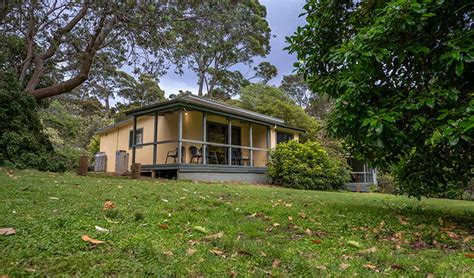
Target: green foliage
[22, 141]
[400, 73]
[307, 166]
[272, 101]
[223, 33]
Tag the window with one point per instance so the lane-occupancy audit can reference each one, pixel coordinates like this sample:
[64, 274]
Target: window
[139, 137]
[283, 137]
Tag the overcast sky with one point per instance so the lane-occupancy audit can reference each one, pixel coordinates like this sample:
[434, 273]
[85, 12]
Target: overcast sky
[282, 15]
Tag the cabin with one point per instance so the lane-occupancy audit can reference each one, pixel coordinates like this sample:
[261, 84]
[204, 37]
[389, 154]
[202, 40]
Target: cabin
[195, 138]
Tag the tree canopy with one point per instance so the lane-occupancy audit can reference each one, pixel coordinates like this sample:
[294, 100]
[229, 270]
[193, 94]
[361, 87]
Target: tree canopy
[400, 73]
[223, 34]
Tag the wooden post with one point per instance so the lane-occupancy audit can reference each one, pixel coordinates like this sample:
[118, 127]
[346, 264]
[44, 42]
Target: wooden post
[136, 170]
[134, 139]
[268, 142]
[204, 138]
[180, 135]
[155, 138]
[229, 134]
[250, 144]
[83, 165]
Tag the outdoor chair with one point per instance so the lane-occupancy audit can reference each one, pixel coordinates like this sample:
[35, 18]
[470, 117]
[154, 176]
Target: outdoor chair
[174, 155]
[237, 158]
[195, 154]
[211, 155]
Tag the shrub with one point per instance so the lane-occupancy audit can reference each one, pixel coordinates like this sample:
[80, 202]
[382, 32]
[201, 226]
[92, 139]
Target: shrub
[307, 166]
[23, 143]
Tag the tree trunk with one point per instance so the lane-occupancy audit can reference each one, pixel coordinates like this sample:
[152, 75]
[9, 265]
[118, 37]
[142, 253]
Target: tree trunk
[200, 83]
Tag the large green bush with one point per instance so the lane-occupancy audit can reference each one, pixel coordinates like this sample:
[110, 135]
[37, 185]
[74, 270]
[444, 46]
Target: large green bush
[307, 166]
[22, 141]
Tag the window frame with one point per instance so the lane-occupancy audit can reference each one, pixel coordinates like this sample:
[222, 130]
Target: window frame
[291, 136]
[130, 138]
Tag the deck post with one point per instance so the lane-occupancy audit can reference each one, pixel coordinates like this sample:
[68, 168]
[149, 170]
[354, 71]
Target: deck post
[180, 135]
[250, 145]
[134, 139]
[229, 133]
[155, 138]
[268, 143]
[365, 173]
[204, 138]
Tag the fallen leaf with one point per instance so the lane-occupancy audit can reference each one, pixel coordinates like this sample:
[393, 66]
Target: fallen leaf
[216, 251]
[276, 224]
[290, 218]
[321, 267]
[396, 266]
[108, 205]
[452, 235]
[420, 244]
[100, 229]
[200, 229]
[417, 269]
[288, 205]
[191, 251]
[302, 215]
[164, 200]
[469, 255]
[168, 253]
[163, 226]
[468, 239]
[370, 266]
[276, 263]
[7, 231]
[244, 253]
[308, 231]
[344, 266]
[354, 244]
[53, 198]
[368, 251]
[91, 240]
[263, 254]
[214, 236]
[402, 220]
[317, 241]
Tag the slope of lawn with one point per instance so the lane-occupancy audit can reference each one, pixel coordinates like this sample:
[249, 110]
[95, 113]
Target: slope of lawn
[243, 229]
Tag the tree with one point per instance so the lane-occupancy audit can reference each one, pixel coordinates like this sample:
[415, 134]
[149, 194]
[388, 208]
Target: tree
[272, 101]
[225, 33]
[63, 38]
[264, 71]
[400, 73]
[141, 92]
[296, 88]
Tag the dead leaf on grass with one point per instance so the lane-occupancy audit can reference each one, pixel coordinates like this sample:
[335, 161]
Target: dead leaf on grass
[217, 251]
[321, 267]
[191, 251]
[276, 224]
[308, 231]
[86, 238]
[276, 263]
[397, 267]
[303, 215]
[469, 255]
[368, 251]
[168, 253]
[290, 218]
[317, 241]
[263, 254]
[344, 266]
[468, 239]
[7, 231]
[108, 205]
[370, 266]
[402, 220]
[163, 226]
[214, 236]
[452, 235]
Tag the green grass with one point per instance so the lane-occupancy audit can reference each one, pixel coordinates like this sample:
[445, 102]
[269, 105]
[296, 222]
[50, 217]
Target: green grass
[411, 238]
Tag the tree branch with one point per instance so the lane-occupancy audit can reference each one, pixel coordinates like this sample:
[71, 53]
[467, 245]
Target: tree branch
[86, 63]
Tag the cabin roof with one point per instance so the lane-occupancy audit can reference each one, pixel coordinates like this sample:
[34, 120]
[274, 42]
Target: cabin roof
[193, 102]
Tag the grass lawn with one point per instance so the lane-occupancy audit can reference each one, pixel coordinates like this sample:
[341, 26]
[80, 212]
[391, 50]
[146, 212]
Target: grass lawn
[248, 230]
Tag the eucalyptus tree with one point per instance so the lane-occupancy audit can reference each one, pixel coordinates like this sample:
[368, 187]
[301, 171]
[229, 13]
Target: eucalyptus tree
[223, 34]
[62, 39]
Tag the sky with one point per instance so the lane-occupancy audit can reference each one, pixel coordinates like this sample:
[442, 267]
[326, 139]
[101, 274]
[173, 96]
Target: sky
[282, 16]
